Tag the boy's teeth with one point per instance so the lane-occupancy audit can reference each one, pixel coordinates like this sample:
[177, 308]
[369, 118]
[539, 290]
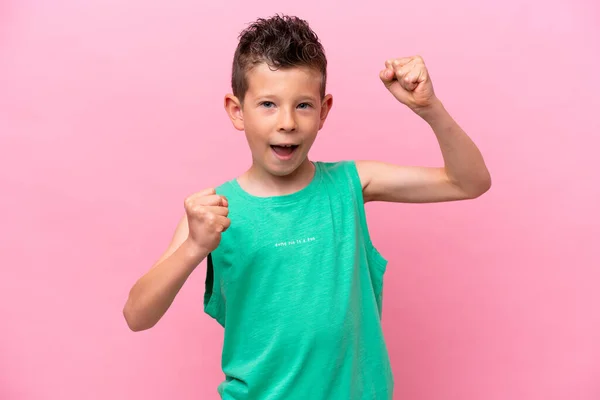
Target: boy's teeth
[283, 150]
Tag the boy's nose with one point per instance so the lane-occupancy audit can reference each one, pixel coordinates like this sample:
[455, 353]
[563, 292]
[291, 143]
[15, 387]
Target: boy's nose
[287, 122]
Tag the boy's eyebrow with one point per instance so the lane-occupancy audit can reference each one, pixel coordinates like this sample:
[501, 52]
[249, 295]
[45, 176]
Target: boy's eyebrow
[302, 97]
[309, 97]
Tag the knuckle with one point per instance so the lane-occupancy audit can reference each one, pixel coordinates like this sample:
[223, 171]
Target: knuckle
[226, 224]
[198, 210]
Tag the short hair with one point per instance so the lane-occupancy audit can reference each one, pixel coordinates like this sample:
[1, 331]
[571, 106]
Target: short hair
[280, 42]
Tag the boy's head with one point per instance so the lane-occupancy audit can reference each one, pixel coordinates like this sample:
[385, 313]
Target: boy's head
[278, 80]
[280, 42]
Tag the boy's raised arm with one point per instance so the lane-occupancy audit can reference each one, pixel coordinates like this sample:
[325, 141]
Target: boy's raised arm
[464, 175]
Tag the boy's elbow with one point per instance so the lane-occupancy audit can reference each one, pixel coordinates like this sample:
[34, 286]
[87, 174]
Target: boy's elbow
[480, 186]
[133, 321]
[486, 182]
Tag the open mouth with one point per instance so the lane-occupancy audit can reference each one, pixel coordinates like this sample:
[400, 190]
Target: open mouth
[284, 151]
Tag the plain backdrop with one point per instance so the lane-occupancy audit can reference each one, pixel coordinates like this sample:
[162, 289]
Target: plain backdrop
[111, 112]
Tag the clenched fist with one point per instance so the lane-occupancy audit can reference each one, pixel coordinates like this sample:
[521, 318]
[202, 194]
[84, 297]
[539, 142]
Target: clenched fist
[207, 219]
[408, 80]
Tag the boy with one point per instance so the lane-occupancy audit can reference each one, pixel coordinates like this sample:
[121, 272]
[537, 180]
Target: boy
[292, 274]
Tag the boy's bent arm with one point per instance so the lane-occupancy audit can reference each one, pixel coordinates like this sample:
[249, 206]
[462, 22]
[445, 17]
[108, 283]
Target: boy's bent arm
[464, 175]
[153, 293]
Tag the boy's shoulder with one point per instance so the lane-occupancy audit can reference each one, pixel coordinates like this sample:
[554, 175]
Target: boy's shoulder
[343, 167]
[335, 165]
[344, 170]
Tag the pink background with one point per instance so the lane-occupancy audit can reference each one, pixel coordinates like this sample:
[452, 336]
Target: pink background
[111, 113]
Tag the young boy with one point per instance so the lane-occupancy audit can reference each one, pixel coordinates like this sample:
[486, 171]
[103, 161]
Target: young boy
[292, 274]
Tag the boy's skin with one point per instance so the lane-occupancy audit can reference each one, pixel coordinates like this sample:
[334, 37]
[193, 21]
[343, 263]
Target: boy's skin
[284, 107]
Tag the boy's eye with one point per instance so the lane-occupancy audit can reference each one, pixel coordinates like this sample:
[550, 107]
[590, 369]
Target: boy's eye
[270, 104]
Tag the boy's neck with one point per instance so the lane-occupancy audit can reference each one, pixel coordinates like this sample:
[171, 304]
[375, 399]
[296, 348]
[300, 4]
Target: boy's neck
[258, 182]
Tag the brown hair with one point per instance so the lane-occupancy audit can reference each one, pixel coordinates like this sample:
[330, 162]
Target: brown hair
[281, 42]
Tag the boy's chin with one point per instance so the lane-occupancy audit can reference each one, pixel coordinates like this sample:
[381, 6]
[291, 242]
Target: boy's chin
[282, 172]
[286, 170]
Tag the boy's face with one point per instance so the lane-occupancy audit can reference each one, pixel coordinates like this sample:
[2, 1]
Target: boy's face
[281, 115]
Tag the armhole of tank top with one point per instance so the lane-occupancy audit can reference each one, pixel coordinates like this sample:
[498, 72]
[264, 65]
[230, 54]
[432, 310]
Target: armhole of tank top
[212, 304]
[376, 256]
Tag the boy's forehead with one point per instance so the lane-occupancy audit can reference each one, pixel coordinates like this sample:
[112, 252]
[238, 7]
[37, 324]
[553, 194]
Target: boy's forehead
[264, 80]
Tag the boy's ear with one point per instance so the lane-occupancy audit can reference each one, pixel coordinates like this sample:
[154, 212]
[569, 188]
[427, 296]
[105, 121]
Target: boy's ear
[325, 108]
[233, 107]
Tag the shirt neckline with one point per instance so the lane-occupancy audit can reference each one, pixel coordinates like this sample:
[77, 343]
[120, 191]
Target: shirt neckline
[282, 199]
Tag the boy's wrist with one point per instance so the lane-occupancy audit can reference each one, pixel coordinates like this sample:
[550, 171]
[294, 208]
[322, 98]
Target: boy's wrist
[432, 112]
[194, 252]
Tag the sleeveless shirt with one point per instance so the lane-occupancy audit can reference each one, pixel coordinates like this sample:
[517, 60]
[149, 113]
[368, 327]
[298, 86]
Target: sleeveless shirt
[297, 285]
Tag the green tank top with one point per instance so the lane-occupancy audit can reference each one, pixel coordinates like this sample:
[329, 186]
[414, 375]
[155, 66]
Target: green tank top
[297, 285]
